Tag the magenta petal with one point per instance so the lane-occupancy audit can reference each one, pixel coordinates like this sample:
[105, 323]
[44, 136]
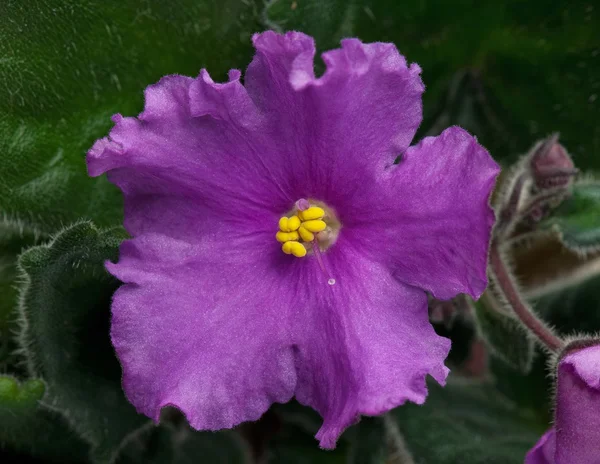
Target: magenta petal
[543, 451]
[367, 344]
[344, 126]
[578, 407]
[575, 437]
[201, 328]
[434, 206]
[190, 154]
[213, 317]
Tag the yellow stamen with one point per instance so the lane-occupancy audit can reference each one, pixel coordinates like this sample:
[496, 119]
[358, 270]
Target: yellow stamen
[303, 227]
[314, 212]
[314, 226]
[294, 248]
[305, 235]
[293, 223]
[289, 224]
[283, 224]
[286, 236]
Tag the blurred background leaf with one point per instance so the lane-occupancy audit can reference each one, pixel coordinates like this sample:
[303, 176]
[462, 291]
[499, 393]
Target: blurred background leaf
[66, 67]
[510, 72]
[504, 334]
[470, 423]
[171, 443]
[27, 430]
[288, 434]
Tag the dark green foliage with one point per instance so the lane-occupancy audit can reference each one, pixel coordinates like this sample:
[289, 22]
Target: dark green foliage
[466, 423]
[65, 310]
[577, 219]
[68, 66]
[28, 428]
[178, 444]
[506, 336]
[288, 435]
[12, 241]
[509, 72]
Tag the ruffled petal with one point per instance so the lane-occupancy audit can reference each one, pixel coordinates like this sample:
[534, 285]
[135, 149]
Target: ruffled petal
[196, 142]
[430, 216]
[344, 127]
[365, 344]
[201, 327]
[578, 407]
[543, 451]
[221, 336]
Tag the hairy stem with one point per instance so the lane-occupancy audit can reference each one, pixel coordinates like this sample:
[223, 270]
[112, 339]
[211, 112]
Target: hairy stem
[507, 285]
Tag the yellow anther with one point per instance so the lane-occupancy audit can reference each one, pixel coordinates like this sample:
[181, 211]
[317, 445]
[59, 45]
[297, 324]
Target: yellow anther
[314, 226]
[293, 223]
[289, 224]
[294, 248]
[305, 234]
[314, 212]
[283, 224]
[286, 236]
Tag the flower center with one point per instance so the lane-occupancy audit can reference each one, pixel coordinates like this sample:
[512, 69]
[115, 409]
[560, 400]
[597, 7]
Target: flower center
[310, 222]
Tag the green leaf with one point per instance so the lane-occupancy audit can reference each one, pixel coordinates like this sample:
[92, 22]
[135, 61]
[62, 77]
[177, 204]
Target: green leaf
[575, 309]
[532, 391]
[325, 21]
[290, 439]
[14, 395]
[577, 219]
[13, 240]
[28, 428]
[65, 308]
[470, 423]
[496, 68]
[368, 442]
[505, 335]
[178, 444]
[67, 67]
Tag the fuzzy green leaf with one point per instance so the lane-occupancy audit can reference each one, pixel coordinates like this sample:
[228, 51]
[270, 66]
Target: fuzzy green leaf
[577, 219]
[505, 336]
[66, 67]
[65, 308]
[27, 428]
[466, 423]
[12, 241]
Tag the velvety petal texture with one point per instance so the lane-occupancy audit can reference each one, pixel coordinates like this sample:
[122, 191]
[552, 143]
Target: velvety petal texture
[575, 437]
[213, 318]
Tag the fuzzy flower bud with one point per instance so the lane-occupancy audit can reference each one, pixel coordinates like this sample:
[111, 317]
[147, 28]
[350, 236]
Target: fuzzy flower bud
[551, 165]
[575, 437]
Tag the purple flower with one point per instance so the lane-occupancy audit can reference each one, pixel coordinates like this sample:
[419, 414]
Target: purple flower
[575, 437]
[215, 317]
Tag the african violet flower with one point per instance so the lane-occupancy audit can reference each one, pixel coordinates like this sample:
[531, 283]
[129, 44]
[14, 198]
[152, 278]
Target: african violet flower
[575, 437]
[219, 318]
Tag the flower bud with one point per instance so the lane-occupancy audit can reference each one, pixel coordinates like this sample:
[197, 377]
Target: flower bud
[575, 437]
[551, 166]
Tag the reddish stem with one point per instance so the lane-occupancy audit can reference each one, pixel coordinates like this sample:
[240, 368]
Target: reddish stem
[508, 287]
